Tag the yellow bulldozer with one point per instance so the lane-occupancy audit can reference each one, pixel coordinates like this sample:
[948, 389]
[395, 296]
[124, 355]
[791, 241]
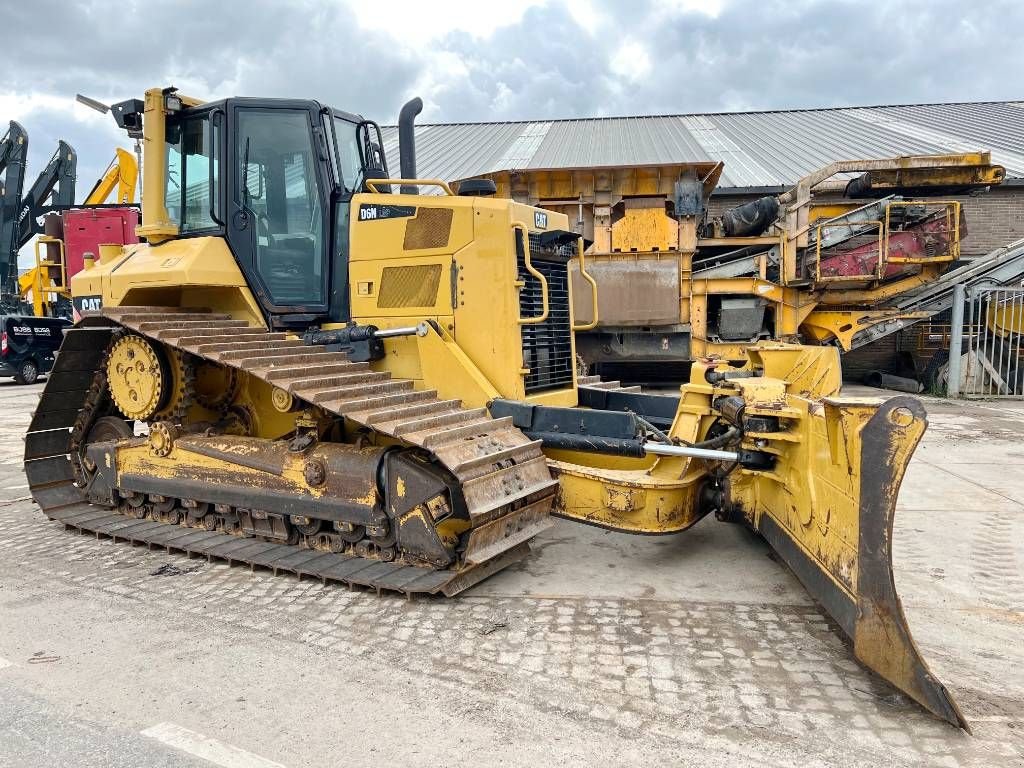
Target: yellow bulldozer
[311, 367]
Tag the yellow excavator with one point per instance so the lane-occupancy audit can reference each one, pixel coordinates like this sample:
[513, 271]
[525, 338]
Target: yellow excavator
[311, 367]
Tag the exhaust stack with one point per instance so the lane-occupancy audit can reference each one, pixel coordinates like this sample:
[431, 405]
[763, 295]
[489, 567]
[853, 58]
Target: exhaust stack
[407, 142]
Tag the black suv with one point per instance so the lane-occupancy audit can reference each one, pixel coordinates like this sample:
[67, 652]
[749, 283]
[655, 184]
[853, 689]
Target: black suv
[28, 345]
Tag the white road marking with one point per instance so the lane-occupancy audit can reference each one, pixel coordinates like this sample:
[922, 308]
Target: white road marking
[5, 663]
[15, 487]
[206, 747]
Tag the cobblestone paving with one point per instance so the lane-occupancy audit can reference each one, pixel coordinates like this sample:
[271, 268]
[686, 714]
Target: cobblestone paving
[768, 678]
[678, 670]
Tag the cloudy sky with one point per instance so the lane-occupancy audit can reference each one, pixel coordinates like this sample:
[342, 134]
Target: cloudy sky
[476, 60]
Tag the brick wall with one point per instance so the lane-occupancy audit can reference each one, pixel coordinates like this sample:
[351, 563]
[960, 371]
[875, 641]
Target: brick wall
[993, 219]
[871, 357]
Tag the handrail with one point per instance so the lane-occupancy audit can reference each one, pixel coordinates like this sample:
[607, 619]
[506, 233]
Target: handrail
[41, 292]
[593, 293]
[879, 266]
[536, 273]
[951, 214]
[373, 183]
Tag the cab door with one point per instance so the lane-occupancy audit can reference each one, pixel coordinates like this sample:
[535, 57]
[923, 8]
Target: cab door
[278, 207]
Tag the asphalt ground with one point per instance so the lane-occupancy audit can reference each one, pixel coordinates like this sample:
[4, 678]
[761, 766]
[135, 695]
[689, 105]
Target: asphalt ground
[599, 649]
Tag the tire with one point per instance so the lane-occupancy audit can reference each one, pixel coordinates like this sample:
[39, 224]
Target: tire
[28, 372]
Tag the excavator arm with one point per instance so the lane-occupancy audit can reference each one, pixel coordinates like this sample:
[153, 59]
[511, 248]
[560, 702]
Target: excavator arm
[55, 186]
[13, 156]
[122, 175]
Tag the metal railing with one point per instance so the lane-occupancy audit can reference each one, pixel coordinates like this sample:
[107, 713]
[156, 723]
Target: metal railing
[856, 248]
[986, 356]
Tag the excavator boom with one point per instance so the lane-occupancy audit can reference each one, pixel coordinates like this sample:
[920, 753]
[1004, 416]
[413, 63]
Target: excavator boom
[121, 175]
[55, 187]
[13, 157]
[45, 286]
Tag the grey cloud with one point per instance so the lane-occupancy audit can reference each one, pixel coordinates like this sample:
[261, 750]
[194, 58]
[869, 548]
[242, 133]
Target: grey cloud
[763, 55]
[257, 47]
[545, 66]
[794, 55]
[770, 54]
[774, 54]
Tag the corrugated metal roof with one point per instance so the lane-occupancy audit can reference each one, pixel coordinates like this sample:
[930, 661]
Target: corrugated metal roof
[759, 149]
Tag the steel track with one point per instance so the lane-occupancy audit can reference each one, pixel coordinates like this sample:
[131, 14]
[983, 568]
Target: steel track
[506, 483]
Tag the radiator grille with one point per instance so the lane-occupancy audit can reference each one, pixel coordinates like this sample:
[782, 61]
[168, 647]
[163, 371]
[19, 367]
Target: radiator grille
[429, 229]
[409, 286]
[547, 346]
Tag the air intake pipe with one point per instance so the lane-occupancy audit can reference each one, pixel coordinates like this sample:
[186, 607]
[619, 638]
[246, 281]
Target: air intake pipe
[407, 142]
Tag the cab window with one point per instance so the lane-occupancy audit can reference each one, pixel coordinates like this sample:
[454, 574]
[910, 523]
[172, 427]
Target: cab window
[191, 143]
[278, 184]
[348, 153]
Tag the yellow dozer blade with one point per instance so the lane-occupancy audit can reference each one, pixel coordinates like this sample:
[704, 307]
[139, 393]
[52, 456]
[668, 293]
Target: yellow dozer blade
[831, 519]
[817, 475]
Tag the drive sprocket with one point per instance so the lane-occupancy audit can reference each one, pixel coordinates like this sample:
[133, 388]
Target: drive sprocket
[181, 386]
[138, 377]
[147, 380]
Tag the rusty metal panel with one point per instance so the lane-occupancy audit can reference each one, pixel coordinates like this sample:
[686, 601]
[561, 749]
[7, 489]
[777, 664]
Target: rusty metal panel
[644, 226]
[631, 291]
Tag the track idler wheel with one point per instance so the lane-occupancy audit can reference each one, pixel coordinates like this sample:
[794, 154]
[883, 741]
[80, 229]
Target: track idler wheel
[162, 435]
[161, 504]
[109, 428]
[307, 526]
[105, 429]
[215, 385]
[349, 531]
[386, 545]
[196, 511]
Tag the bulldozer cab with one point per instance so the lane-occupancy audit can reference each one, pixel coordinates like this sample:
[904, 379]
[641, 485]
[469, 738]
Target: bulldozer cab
[274, 177]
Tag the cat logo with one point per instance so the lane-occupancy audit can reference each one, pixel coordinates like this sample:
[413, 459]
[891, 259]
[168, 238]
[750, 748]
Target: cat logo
[88, 303]
[540, 219]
